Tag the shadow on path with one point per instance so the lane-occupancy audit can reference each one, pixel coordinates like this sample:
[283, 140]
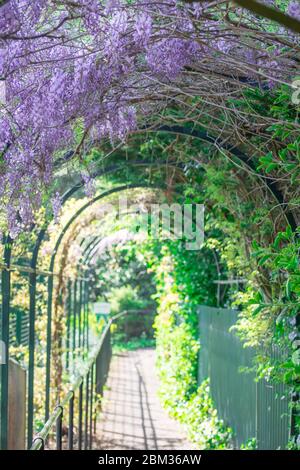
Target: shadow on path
[132, 417]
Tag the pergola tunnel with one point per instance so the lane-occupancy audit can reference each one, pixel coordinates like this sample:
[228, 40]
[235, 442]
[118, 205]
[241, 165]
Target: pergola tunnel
[149, 218]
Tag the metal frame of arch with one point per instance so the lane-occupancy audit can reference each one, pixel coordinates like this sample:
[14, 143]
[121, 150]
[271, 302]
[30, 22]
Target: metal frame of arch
[50, 278]
[32, 295]
[6, 291]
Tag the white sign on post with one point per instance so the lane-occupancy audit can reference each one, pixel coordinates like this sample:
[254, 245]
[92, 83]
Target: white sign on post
[101, 308]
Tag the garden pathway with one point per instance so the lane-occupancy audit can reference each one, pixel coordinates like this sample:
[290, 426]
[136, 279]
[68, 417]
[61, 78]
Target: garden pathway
[132, 416]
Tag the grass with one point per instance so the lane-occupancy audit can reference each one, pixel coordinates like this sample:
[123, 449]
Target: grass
[132, 344]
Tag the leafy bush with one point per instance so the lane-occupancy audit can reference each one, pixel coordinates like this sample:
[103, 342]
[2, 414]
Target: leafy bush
[204, 427]
[133, 344]
[137, 324]
[184, 280]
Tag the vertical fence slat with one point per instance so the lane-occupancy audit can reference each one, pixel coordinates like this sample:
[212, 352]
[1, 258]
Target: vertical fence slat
[69, 313]
[32, 313]
[71, 423]
[5, 290]
[79, 314]
[80, 416]
[86, 414]
[49, 345]
[74, 318]
[253, 410]
[91, 407]
[59, 430]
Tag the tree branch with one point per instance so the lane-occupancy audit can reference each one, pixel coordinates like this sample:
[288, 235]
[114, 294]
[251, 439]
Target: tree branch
[266, 12]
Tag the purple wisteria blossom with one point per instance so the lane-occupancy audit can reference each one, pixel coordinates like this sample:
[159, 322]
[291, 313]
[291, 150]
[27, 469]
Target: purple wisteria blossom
[143, 28]
[99, 65]
[56, 206]
[169, 56]
[89, 184]
[294, 9]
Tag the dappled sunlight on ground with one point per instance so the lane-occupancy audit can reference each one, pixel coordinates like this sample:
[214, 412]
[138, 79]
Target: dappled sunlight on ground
[132, 416]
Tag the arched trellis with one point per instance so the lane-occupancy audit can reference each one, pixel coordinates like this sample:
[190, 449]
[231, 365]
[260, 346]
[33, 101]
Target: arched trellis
[201, 135]
[32, 295]
[270, 184]
[178, 130]
[83, 301]
[216, 142]
[73, 306]
[50, 278]
[89, 249]
[83, 267]
[6, 298]
[52, 264]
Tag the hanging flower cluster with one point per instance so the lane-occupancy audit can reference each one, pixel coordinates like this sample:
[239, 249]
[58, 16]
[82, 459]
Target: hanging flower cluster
[100, 64]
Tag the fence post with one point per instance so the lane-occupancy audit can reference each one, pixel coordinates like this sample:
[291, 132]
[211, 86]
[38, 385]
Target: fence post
[84, 316]
[79, 314]
[69, 308]
[74, 317]
[48, 347]
[99, 372]
[86, 416]
[91, 406]
[87, 316]
[71, 422]
[80, 417]
[59, 429]
[32, 304]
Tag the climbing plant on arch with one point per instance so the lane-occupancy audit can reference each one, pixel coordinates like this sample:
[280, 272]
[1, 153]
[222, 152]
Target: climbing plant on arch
[96, 77]
[96, 68]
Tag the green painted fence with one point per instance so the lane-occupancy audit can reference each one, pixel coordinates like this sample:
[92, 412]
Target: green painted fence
[253, 410]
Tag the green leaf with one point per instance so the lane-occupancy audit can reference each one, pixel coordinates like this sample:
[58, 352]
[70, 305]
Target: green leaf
[264, 258]
[257, 310]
